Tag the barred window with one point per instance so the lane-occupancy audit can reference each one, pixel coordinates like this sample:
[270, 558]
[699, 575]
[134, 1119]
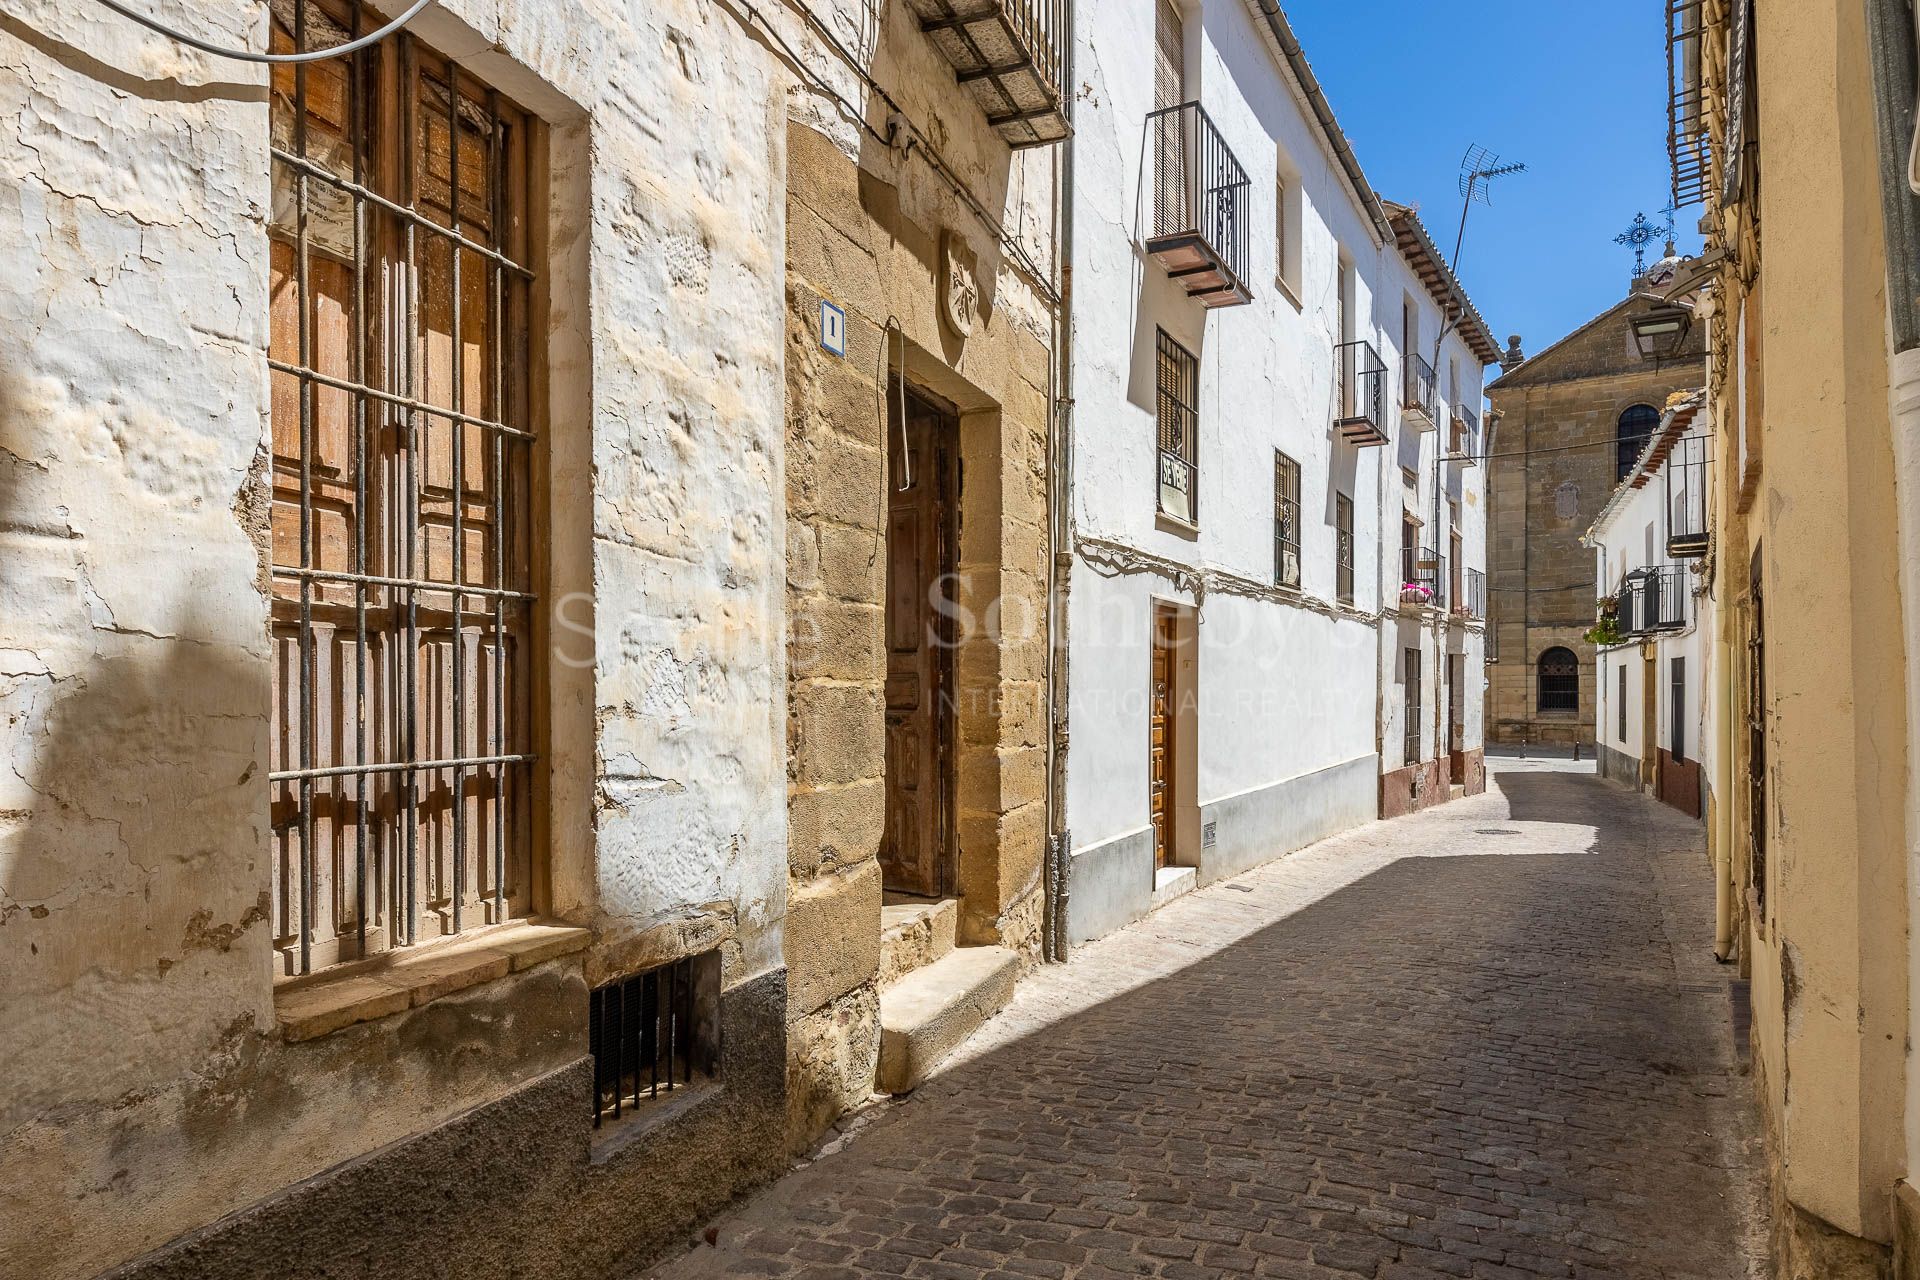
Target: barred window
[1178, 380]
[1343, 547]
[1559, 680]
[1286, 521]
[1410, 673]
[403, 561]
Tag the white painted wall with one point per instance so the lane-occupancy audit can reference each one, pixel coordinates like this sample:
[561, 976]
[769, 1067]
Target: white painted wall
[1409, 483]
[1621, 542]
[1285, 689]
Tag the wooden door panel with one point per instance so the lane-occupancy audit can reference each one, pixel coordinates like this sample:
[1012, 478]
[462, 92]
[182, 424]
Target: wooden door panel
[917, 834]
[1160, 742]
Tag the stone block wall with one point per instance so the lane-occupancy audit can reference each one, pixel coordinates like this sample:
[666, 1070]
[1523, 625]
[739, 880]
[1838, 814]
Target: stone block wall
[867, 232]
[1555, 465]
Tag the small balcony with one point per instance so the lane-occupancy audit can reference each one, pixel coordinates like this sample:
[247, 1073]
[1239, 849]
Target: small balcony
[1687, 468]
[1465, 445]
[1472, 603]
[1360, 399]
[1008, 55]
[1417, 391]
[1201, 206]
[1423, 578]
[1654, 600]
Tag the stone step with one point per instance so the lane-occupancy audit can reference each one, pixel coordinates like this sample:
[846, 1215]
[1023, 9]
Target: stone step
[931, 1011]
[914, 932]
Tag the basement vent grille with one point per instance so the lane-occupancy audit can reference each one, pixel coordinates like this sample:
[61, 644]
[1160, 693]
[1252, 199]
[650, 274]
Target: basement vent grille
[651, 1033]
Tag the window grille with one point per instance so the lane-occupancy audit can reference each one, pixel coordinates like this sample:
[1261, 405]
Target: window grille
[1410, 748]
[1179, 430]
[645, 1036]
[1286, 521]
[402, 560]
[1559, 680]
[1343, 547]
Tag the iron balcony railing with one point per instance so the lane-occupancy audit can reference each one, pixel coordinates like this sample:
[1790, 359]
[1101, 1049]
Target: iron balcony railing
[1201, 208]
[1423, 577]
[1686, 470]
[1474, 591]
[1654, 599]
[1418, 389]
[1360, 398]
[1010, 56]
[1466, 436]
[1689, 144]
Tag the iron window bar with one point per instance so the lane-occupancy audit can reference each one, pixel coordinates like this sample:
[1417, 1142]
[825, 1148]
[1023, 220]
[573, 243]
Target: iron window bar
[1419, 389]
[347, 230]
[641, 1033]
[1360, 396]
[1410, 743]
[1343, 548]
[1559, 676]
[1202, 204]
[1178, 461]
[1286, 521]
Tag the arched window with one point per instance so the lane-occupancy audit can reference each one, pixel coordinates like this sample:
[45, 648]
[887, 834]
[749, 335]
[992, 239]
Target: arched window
[1559, 680]
[1636, 428]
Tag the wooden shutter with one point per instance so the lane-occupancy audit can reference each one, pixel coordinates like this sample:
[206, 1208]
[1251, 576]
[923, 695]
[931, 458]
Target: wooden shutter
[1170, 58]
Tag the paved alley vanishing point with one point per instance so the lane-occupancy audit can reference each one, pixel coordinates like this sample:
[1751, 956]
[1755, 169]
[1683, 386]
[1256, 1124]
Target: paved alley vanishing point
[1488, 1040]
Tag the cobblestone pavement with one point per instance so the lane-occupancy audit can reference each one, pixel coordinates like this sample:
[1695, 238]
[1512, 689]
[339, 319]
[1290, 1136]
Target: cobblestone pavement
[1485, 1041]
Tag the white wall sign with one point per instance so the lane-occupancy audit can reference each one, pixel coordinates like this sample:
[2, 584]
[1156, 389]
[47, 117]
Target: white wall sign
[833, 328]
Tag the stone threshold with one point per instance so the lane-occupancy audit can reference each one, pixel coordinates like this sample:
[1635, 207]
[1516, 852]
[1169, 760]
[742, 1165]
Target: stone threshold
[367, 990]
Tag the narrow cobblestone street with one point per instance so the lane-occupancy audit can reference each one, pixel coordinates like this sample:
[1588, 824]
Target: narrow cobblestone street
[1485, 1041]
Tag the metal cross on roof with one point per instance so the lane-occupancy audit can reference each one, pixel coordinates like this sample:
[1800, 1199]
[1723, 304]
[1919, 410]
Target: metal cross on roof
[1641, 234]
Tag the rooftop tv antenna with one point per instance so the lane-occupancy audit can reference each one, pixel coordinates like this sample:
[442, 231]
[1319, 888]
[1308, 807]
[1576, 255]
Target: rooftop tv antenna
[1478, 168]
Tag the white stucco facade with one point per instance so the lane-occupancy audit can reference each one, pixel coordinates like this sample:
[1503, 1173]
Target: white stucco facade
[1282, 742]
[1655, 718]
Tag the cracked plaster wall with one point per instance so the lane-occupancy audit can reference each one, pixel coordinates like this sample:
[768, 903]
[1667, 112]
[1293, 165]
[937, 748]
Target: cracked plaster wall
[145, 1089]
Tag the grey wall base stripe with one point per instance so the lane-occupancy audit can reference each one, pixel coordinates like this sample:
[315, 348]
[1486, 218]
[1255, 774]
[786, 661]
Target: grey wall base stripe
[513, 1188]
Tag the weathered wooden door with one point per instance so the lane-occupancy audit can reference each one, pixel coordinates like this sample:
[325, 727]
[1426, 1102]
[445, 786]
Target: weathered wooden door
[920, 556]
[1160, 739]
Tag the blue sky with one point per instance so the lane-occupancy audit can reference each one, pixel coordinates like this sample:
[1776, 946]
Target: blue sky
[1576, 89]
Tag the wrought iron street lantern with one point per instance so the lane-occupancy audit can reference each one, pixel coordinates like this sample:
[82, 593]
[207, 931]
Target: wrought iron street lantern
[1662, 331]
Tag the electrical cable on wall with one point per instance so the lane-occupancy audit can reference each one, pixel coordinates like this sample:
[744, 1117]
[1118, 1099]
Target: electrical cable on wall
[274, 59]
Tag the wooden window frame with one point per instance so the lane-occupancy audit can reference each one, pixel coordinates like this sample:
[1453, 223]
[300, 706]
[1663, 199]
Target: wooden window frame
[408, 800]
